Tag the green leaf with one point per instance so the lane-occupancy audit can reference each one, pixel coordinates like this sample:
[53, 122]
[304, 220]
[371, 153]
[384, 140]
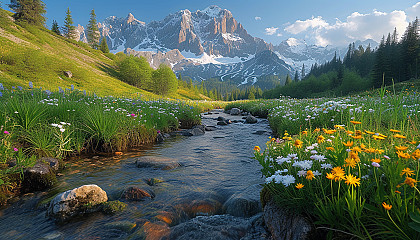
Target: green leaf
[415, 226]
[415, 216]
[1, 182]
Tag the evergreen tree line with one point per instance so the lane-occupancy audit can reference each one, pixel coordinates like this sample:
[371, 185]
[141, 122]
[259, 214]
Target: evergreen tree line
[361, 68]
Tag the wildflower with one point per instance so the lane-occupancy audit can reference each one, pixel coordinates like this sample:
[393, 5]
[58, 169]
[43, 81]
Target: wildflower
[369, 150]
[348, 144]
[301, 173]
[299, 185]
[356, 122]
[317, 130]
[410, 181]
[15, 149]
[375, 164]
[416, 154]
[357, 137]
[413, 142]
[326, 166]
[403, 155]
[320, 139]
[62, 129]
[314, 152]
[339, 126]
[6, 132]
[352, 180]
[377, 160]
[377, 137]
[310, 175]
[407, 171]
[369, 132]
[257, 148]
[350, 162]
[329, 148]
[386, 206]
[401, 148]
[349, 132]
[328, 131]
[399, 136]
[380, 151]
[396, 191]
[356, 149]
[385, 156]
[298, 143]
[304, 132]
[338, 173]
[292, 156]
[31, 85]
[394, 131]
[330, 176]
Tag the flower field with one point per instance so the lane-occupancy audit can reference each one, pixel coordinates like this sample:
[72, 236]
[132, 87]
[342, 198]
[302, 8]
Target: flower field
[39, 123]
[349, 164]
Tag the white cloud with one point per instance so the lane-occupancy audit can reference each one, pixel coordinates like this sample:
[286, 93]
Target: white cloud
[300, 26]
[357, 26]
[271, 30]
[257, 18]
[279, 35]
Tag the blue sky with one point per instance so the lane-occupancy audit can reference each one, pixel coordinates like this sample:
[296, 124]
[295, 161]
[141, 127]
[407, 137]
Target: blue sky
[321, 22]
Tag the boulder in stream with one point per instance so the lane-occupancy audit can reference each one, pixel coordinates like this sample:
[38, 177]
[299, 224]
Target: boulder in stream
[235, 111]
[156, 162]
[210, 128]
[223, 227]
[284, 224]
[77, 201]
[41, 176]
[245, 203]
[137, 194]
[251, 119]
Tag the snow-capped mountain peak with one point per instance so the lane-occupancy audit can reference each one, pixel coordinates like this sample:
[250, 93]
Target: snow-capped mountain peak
[131, 19]
[212, 11]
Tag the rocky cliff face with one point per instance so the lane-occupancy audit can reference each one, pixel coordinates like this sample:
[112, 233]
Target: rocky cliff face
[213, 31]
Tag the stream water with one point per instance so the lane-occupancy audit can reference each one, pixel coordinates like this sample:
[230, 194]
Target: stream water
[214, 166]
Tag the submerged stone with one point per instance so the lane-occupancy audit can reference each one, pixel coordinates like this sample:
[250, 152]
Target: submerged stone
[113, 207]
[137, 194]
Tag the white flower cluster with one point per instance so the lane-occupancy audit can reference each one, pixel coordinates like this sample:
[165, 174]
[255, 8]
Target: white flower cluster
[305, 165]
[286, 180]
[60, 126]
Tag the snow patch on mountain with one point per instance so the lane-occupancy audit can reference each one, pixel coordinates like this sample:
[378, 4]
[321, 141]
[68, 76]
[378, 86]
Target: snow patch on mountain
[212, 11]
[231, 37]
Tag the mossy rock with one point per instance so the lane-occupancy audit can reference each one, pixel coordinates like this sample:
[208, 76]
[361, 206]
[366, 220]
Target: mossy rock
[265, 196]
[113, 207]
[125, 226]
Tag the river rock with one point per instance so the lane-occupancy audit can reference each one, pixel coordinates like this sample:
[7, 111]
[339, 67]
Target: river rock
[222, 123]
[218, 227]
[156, 162]
[235, 111]
[159, 138]
[251, 119]
[39, 177]
[220, 119]
[210, 128]
[152, 231]
[137, 194]
[76, 202]
[284, 224]
[245, 203]
[125, 226]
[244, 114]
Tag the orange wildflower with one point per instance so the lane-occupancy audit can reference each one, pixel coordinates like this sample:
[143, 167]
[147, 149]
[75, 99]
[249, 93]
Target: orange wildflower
[386, 206]
[410, 181]
[320, 139]
[357, 137]
[329, 148]
[401, 148]
[348, 144]
[394, 130]
[403, 155]
[257, 148]
[377, 160]
[407, 171]
[299, 185]
[399, 136]
[310, 175]
[416, 154]
[356, 122]
[298, 143]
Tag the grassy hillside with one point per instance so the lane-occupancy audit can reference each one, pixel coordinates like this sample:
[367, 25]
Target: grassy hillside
[29, 53]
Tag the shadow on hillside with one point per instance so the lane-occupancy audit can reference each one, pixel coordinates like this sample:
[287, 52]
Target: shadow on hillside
[110, 70]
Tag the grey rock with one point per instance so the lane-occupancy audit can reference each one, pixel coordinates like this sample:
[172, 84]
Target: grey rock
[244, 114]
[76, 202]
[68, 74]
[137, 194]
[156, 162]
[235, 111]
[39, 177]
[217, 227]
[210, 128]
[222, 123]
[220, 119]
[260, 132]
[251, 119]
[52, 162]
[284, 224]
[201, 127]
[160, 138]
[245, 203]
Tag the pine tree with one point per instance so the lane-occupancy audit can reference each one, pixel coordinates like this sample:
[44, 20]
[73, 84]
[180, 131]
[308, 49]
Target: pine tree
[302, 74]
[69, 31]
[30, 11]
[288, 80]
[93, 34]
[55, 28]
[104, 45]
[296, 76]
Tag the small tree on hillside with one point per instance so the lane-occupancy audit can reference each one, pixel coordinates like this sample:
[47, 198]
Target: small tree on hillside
[93, 34]
[296, 76]
[164, 80]
[104, 45]
[30, 11]
[69, 31]
[302, 74]
[288, 80]
[55, 27]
